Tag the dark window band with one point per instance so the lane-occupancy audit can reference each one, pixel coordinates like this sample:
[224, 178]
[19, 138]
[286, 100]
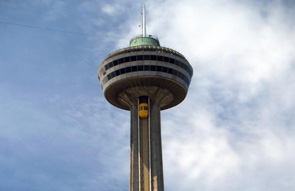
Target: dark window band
[146, 68]
[149, 57]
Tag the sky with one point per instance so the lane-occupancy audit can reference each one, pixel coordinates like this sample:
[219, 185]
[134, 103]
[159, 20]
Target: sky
[234, 131]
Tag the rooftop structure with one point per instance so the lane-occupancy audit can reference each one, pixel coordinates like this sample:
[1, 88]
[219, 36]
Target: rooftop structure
[145, 78]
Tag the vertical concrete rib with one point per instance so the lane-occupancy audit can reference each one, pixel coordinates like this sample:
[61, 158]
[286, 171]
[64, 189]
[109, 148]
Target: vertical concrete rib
[156, 147]
[144, 154]
[134, 152]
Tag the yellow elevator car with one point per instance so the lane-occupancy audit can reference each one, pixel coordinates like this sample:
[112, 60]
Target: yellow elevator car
[143, 110]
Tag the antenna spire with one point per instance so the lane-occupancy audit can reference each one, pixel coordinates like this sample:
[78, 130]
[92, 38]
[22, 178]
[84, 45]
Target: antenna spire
[143, 22]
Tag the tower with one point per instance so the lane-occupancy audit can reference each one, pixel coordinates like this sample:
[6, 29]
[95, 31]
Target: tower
[145, 78]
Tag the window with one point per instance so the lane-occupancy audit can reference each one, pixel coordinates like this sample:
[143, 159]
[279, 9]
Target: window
[179, 74]
[127, 59]
[159, 68]
[166, 59]
[134, 68]
[165, 69]
[146, 68]
[128, 69]
[140, 68]
[153, 68]
[133, 58]
[140, 57]
[121, 60]
[122, 71]
[153, 57]
[115, 63]
[174, 72]
[171, 60]
[160, 58]
[146, 57]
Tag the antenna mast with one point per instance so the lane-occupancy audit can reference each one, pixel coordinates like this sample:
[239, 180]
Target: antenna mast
[143, 22]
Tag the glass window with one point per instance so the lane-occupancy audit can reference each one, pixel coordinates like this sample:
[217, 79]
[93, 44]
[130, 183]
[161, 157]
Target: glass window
[146, 68]
[134, 68]
[140, 57]
[128, 69]
[106, 67]
[159, 68]
[153, 57]
[115, 62]
[122, 71]
[165, 69]
[160, 58]
[117, 72]
[171, 60]
[111, 64]
[140, 68]
[166, 59]
[153, 68]
[174, 72]
[127, 59]
[179, 74]
[121, 60]
[146, 57]
[133, 58]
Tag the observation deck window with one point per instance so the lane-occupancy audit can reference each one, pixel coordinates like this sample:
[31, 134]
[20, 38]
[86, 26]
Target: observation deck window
[150, 57]
[153, 68]
[128, 69]
[127, 59]
[140, 57]
[148, 68]
[134, 68]
[153, 57]
[160, 58]
[133, 58]
[140, 68]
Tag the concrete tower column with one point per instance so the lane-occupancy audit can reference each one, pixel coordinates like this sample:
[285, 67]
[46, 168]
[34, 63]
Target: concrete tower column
[134, 170]
[156, 148]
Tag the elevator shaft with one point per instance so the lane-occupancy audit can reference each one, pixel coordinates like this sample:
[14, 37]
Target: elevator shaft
[146, 149]
[144, 131]
[144, 154]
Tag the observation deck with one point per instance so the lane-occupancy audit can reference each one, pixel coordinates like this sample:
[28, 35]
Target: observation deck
[142, 69]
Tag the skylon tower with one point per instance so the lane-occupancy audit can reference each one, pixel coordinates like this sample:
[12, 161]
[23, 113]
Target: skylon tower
[145, 78]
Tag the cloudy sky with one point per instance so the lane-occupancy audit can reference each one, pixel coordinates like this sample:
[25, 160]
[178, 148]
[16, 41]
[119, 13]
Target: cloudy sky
[234, 131]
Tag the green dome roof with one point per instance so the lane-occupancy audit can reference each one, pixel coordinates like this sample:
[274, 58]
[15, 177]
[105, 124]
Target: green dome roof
[144, 41]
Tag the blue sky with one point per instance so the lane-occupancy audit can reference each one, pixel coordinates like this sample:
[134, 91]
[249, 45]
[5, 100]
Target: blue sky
[234, 131]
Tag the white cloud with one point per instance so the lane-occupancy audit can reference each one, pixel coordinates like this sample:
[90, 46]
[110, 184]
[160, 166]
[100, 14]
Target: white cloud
[108, 9]
[240, 107]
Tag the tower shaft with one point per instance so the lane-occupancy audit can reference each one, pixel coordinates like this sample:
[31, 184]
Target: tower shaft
[146, 151]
